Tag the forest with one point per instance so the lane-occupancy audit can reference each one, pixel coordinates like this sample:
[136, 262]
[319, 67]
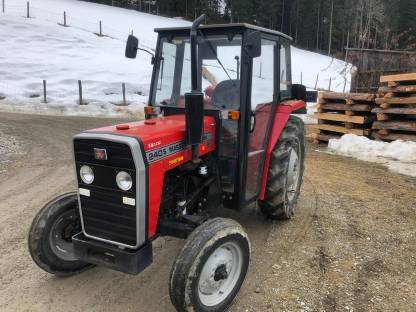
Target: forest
[326, 26]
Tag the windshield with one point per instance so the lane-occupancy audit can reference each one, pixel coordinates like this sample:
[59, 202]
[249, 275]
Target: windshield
[219, 74]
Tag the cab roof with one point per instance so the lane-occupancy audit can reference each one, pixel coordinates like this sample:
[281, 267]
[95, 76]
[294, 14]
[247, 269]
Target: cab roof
[226, 27]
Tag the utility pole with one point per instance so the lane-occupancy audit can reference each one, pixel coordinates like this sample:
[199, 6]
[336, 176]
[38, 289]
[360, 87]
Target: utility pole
[348, 43]
[319, 22]
[231, 10]
[330, 27]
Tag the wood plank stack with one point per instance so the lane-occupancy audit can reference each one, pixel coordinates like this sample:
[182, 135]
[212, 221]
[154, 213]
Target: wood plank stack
[396, 108]
[341, 113]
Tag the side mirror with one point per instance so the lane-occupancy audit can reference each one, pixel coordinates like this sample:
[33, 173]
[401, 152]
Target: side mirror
[298, 92]
[253, 44]
[131, 47]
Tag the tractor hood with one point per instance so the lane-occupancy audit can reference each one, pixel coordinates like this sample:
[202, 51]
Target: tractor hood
[161, 131]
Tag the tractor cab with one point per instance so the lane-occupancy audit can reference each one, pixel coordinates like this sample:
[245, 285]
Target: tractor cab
[243, 72]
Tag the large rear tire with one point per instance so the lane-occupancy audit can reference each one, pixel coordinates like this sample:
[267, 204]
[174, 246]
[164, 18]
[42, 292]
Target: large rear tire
[211, 267]
[50, 236]
[285, 173]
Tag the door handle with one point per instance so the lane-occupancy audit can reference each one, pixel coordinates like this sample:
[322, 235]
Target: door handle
[252, 121]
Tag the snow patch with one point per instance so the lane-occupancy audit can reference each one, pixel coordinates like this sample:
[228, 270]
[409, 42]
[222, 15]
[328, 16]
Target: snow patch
[399, 156]
[39, 49]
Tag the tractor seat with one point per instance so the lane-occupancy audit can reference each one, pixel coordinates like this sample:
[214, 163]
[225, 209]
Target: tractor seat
[227, 95]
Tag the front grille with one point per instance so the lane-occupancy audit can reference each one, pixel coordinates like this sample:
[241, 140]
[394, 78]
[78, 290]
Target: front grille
[106, 217]
[104, 214]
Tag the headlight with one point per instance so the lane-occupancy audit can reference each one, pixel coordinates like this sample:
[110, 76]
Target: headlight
[87, 175]
[124, 180]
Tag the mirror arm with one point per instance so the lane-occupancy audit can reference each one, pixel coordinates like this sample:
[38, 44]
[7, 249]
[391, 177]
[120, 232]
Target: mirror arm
[146, 51]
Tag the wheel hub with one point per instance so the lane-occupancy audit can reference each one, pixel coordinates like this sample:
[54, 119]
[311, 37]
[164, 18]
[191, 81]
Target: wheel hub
[220, 274]
[61, 233]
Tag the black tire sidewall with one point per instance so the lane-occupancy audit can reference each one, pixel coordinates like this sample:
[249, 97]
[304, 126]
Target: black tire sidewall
[39, 242]
[245, 248]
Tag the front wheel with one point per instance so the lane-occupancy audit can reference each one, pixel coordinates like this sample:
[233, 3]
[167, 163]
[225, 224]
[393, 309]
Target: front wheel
[50, 236]
[211, 267]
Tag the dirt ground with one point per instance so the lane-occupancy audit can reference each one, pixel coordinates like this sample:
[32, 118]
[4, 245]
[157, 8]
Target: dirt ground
[351, 246]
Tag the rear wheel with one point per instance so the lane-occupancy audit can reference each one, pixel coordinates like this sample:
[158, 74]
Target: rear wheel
[50, 236]
[210, 269]
[285, 173]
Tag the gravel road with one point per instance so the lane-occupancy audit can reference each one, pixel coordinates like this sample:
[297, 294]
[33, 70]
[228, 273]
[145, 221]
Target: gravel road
[351, 246]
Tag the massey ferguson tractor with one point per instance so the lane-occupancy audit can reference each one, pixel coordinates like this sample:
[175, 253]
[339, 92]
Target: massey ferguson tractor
[218, 134]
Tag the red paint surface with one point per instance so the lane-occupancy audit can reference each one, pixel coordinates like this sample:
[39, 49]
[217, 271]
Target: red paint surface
[280, 119]
[163, 131]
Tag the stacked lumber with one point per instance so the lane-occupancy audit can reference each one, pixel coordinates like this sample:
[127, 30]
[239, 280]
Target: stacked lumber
[396, 108]
[341, 113]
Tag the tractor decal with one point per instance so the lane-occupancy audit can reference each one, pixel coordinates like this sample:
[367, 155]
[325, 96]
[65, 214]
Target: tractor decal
[167, 150]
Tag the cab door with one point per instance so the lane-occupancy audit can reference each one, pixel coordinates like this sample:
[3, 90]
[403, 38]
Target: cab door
[263, 99]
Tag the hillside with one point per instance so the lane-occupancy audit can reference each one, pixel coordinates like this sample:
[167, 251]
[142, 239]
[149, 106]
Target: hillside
[39, 49]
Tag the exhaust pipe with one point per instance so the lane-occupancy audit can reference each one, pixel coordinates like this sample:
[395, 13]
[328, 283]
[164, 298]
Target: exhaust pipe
[194, 100]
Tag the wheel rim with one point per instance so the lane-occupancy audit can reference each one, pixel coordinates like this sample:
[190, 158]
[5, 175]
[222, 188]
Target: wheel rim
[220, 274]
[293, 174]
[60, 237]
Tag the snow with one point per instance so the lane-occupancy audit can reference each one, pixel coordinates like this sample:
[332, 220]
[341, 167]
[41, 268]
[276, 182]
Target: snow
[399, 156]
[38, 48]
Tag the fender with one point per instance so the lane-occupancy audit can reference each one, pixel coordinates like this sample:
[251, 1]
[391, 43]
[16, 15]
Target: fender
[281, 117]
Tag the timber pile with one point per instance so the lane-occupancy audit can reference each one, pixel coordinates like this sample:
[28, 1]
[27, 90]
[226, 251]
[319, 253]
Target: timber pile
[341, 113]
[396, 108]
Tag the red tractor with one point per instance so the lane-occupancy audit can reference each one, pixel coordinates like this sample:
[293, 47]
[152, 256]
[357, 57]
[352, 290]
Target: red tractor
[218, 134]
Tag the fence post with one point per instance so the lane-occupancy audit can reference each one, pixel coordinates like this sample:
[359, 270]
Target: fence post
[330, 81]
[101, 29]
[2, 5]
[123, 87]
[80, 92]
[64, 19]
[44, 91]
[301, 78]
[316, 81]
[27, 10]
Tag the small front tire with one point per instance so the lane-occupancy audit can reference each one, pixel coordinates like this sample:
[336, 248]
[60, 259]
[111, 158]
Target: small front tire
[50, 236]
[211, 267]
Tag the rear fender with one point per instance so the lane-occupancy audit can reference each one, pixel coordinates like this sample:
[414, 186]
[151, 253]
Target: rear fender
[281, 117]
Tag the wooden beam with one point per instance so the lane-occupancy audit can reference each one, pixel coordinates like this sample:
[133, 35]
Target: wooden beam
[399, 77]
[400, 110]
[392, 84]
[397, 100]
[382, 116]
[347, 96]
[395, 125]
[340, 129]
[344, 107]
[393, 136]
[325, 136]
[398, 89]
[342, 117]
[383, 132]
